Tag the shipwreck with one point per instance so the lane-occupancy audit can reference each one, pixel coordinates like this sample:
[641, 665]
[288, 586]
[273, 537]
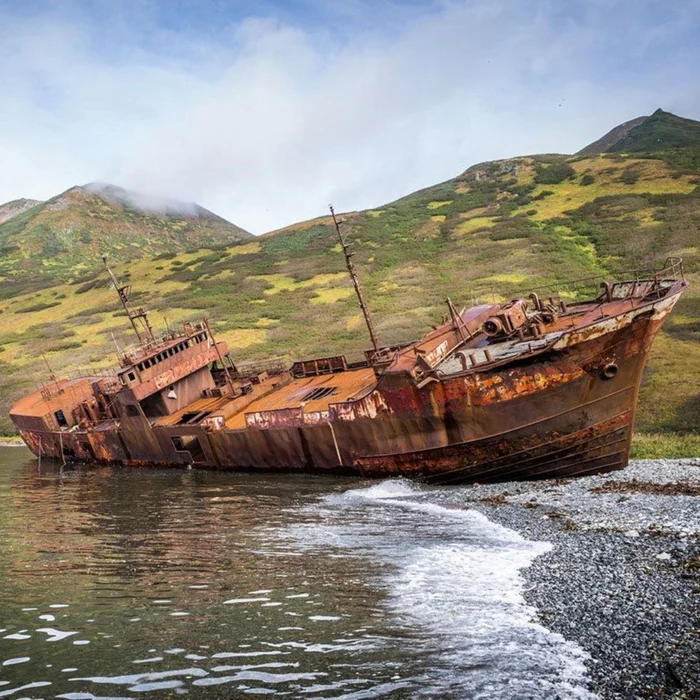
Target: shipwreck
[539, 386]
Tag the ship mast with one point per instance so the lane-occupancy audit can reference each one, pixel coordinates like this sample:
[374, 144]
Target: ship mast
[355, 282]
[139, 314]
[227, 374]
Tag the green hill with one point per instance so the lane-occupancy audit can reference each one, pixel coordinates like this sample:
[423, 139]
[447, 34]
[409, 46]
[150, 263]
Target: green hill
[497, 228]
[660, 131]
[64, 236]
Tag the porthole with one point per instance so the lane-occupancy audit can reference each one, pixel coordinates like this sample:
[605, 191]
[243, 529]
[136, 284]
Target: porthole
[610, 370]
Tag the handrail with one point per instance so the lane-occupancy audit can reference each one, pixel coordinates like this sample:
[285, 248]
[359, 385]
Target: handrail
[673, 265]
[89, 373]
[672, 269]
[131, 353]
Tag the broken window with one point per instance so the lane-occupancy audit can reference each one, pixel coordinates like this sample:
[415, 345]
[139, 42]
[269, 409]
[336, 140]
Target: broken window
[60, 418]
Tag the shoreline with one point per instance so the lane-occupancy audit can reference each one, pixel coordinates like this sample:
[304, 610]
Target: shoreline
[644, 445]
[622, 579]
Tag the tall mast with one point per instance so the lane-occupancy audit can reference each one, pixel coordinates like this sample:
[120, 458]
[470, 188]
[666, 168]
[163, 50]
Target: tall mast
[355, 282]
[227, 374]
[135, 314]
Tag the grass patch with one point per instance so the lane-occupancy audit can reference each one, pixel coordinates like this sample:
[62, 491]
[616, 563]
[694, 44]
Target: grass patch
[277, 283]
[330, 296]
[652, 177]
[243, 337]
[477, 223]
[665, 446]
[506, 278]
[244, 249]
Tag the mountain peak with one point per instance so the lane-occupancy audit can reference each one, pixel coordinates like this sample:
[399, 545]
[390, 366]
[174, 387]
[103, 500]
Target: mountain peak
[656, 132]
[147, 203]
[16, 207]
[71, 229]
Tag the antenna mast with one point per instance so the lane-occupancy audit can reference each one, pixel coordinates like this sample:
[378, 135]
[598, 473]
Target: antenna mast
[135, 314]
[355, 282]
[52, 375]
[227, 374]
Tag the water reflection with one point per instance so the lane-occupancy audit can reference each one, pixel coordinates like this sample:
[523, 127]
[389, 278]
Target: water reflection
[174, 580]
[119, 583]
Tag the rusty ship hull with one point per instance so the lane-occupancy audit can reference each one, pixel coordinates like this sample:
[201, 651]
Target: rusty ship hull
[522, 390]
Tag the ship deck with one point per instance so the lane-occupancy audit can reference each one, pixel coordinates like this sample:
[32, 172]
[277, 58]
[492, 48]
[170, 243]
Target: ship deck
[324, 389]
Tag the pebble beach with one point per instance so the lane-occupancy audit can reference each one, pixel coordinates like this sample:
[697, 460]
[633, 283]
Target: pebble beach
[622, 579]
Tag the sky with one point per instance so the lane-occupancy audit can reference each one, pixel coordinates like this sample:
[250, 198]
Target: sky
[266, 111]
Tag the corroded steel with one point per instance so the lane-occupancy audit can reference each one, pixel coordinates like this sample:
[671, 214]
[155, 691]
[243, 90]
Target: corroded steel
[549, 390]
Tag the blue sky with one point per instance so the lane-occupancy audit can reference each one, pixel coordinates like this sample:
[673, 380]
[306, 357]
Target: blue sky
[266, 111]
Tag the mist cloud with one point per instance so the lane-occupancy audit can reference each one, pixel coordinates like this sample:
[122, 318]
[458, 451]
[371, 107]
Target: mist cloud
[269, 120]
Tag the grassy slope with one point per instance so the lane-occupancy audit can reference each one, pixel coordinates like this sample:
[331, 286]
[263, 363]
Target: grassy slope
[64, 237]
[661, 130]
[497, 228]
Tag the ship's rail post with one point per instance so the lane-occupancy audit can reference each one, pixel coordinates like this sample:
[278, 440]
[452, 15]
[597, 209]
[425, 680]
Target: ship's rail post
[585, 288]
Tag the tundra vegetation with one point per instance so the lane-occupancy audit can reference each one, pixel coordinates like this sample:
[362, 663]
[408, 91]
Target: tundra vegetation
[491, 233]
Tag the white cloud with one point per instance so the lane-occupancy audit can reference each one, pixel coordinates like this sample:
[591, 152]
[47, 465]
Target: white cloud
[271, 124]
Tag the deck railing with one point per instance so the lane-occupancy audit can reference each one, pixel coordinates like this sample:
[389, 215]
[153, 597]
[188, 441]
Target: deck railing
[589, 288]
[89, 373]
[273, 365]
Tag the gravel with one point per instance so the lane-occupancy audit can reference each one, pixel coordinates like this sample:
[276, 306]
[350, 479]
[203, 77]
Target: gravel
[623, 577]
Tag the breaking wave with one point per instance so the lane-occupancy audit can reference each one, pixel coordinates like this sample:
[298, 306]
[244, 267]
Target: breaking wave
[454, 583]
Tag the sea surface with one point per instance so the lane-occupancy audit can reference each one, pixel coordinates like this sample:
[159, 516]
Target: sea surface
[132, 583]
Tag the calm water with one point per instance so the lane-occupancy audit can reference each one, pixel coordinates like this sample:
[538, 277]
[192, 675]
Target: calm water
[119, 583]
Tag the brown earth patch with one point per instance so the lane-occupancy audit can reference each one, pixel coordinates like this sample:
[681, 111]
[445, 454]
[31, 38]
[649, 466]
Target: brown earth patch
[634, 486]
[498, 499]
